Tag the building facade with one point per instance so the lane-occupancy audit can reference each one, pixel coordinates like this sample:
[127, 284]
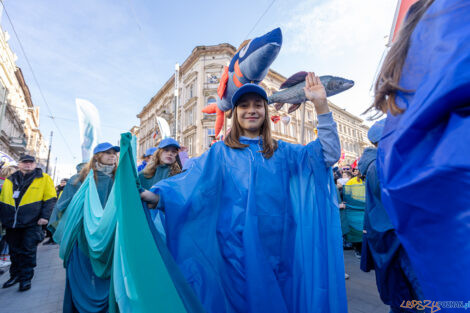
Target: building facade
[19, 119]
[198, 79]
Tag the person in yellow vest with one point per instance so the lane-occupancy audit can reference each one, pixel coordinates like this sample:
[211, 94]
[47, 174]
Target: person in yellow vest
[26, 202]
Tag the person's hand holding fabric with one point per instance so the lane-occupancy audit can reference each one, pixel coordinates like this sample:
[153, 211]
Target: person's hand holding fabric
[42, 221]
[151, 198]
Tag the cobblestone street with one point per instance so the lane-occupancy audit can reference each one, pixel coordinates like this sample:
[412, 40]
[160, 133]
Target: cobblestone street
[47, 290]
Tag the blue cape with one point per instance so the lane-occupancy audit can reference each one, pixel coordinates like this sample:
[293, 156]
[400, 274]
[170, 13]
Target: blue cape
[423, 157]
[257, 235]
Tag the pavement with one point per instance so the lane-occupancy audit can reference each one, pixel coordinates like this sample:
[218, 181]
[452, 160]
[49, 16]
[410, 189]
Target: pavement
[47, 292]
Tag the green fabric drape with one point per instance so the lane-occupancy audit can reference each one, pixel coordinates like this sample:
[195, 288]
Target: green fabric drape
[123, 246]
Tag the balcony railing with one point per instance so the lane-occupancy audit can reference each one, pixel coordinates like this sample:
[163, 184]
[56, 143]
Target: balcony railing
[18, 144]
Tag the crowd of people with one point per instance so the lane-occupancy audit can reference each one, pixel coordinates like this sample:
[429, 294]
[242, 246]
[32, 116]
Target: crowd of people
[257, 225]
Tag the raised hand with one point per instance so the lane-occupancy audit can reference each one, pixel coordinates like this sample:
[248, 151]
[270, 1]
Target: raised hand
[315, 92]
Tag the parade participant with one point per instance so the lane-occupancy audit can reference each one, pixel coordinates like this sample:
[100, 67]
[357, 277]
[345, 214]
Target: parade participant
[26, 202]
[253, 223]
[422, 161]
[162, 164]
[148, 153]
[381, 249]
[353, 206]
[183, 156]
[5, 172]
[62, 203]
[84, 291]
[60, 188]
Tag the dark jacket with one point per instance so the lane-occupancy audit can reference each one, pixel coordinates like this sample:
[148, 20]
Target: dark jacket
[36, 199]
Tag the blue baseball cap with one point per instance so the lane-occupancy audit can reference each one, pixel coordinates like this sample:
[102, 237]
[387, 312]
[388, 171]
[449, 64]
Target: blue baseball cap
[150, 151]
[168, 142]
[105, 146]
[248, 88]
[375, 131]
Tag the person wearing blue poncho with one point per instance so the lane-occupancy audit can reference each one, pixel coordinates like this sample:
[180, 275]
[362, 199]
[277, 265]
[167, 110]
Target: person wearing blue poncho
[423, 157]
[253, 223]
[84, 291]
[381, 249]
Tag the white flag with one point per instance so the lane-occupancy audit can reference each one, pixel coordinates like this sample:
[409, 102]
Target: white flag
[89, 125]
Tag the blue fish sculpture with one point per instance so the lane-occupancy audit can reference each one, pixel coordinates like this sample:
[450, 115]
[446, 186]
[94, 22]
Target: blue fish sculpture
[250, 64]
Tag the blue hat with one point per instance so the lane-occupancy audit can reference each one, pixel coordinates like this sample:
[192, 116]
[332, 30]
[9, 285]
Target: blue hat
[168, 142]
[150, 151]
[248, 88]
[105, 146]
[375, 132]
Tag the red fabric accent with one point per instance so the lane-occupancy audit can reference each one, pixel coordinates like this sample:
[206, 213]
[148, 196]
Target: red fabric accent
[354, 165]
[210, 109]
[402, 9]
[236, 81]
[237, 70]
[275, 118]
[219, 121]
[223, 83]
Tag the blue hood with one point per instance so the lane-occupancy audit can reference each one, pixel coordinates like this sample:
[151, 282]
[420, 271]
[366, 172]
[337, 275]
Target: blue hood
[369, 156]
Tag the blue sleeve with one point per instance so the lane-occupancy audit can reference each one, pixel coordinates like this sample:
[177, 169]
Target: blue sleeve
[328, 136]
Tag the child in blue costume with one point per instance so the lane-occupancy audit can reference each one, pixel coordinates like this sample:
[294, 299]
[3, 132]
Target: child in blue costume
[84, 291]
[381, 249]
[423, 157]
[253, 223]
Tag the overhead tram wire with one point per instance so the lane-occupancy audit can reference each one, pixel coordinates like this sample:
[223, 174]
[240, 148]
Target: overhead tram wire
[259, 19]
[36, 81]
[141, 30]
[75, 120]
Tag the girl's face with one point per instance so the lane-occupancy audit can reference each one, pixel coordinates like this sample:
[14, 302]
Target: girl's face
[108, 157]
[168, 155]
[251, 114]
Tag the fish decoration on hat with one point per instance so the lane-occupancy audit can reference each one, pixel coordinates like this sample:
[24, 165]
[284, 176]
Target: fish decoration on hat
[250, 64]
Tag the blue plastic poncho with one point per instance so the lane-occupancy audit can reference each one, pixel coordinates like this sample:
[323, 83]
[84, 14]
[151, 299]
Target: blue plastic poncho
[257, 235]
[381, 249]
[423, 157]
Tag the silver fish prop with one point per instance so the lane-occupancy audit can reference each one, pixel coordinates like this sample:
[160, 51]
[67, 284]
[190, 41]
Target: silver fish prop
[292, 90]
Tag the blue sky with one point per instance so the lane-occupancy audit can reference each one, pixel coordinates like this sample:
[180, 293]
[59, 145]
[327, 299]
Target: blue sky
[118, 53]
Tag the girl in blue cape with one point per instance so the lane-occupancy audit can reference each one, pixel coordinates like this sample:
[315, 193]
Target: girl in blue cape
[85, 291]
[253, 223]
[423, 157]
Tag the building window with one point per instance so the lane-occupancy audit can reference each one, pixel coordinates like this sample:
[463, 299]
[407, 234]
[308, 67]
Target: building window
[189, 141]
[189, 116]
[212, 78]
[191, 91]
[210, 136]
